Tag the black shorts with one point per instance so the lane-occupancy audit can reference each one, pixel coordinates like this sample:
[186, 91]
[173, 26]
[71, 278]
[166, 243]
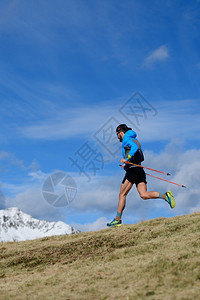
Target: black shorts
[135, 175]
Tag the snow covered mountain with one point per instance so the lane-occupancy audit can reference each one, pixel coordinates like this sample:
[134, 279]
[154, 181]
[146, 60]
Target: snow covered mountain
[18, 226]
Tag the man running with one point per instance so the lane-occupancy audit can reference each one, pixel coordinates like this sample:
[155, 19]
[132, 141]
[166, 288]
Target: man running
[133, 154]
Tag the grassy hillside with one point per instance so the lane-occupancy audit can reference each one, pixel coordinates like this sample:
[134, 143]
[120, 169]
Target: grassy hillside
[156, 259]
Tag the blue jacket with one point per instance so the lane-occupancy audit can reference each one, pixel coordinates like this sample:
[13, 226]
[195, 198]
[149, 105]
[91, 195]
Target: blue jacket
[131, 150]
[127, 142]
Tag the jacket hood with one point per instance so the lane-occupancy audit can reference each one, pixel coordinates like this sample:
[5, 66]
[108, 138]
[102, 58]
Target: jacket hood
[130, 134]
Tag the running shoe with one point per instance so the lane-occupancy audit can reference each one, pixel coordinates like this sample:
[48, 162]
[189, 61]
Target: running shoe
[170, 199]
[115, 223]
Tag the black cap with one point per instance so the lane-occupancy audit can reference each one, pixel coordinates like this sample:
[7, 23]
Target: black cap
[122, 127]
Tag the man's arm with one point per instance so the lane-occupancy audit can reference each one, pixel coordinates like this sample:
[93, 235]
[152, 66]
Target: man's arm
[134, 148]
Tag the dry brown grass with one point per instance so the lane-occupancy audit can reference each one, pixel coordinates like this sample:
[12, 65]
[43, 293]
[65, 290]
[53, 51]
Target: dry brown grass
[157, 259]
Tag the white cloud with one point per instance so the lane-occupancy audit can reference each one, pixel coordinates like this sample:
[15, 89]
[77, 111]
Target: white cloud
[158, 55]
[174, 118]
[96, 225]
[64, 126]
[69, 122]
[100, 194]
[10, 159]
[184, 167]
[28, 197]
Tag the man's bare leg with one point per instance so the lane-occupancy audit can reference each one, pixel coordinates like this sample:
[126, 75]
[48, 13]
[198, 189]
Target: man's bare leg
[168, 196]
[142, 190]
[124, 189]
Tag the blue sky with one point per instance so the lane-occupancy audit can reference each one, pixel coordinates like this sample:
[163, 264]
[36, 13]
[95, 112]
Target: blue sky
[70, 70]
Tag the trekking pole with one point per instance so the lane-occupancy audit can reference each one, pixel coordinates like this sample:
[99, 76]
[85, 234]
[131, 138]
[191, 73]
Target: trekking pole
[166, 180]
[147, 168]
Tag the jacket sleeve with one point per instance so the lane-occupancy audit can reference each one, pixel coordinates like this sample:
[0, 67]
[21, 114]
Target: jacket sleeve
[133, 150]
